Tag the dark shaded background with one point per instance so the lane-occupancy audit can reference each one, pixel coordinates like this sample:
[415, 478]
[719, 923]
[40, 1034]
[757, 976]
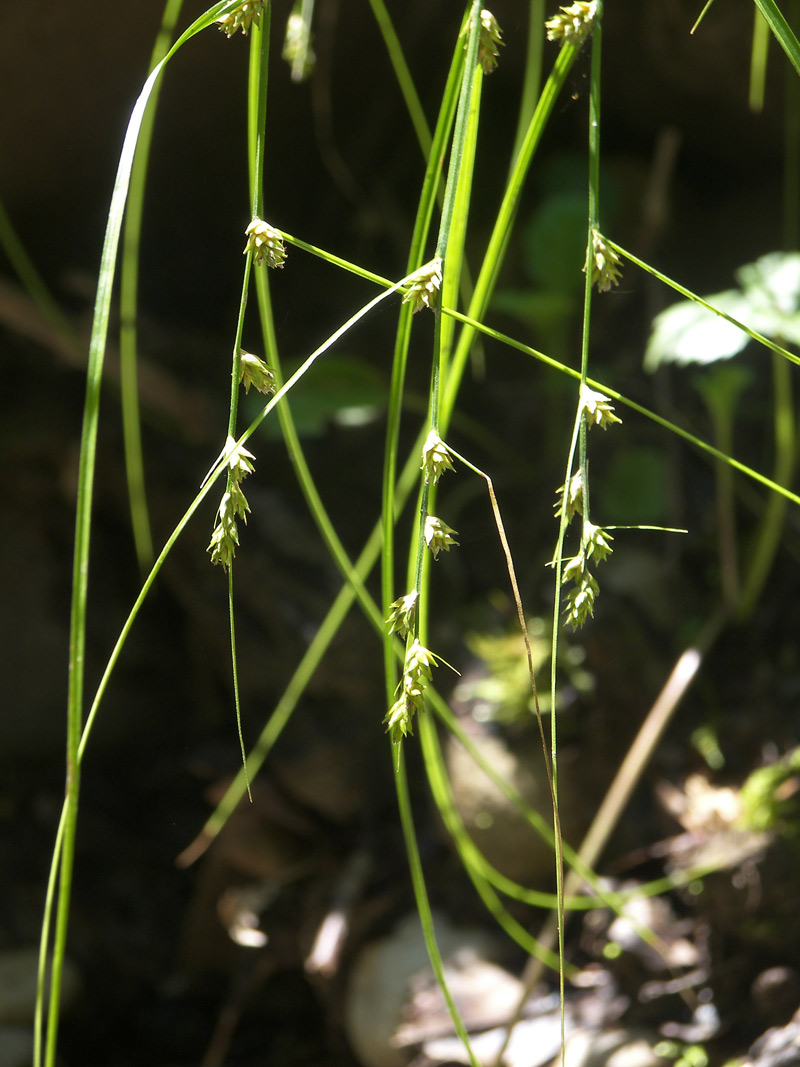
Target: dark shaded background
[342, 171]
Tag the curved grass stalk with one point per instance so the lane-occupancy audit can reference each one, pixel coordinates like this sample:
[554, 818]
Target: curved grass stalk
[473, 860]
[235, 666]
[423, 904]
[256, 122]
[128, 301]
[80, 573]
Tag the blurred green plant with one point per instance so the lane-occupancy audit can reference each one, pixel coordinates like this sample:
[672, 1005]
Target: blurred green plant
[770, 797]
[708, 333]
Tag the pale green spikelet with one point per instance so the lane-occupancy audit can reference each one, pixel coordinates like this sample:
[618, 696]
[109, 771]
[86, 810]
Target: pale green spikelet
[580, 599]
[490, 38]
[233, 506]
[402, 613]
[606, 264]
[438, 535]
[242, 17]
[417, 672]
[254, 371]
[572, 23]
[570, 497]
[424, 286]
[435, 458]
[597, 408]
[265, 243]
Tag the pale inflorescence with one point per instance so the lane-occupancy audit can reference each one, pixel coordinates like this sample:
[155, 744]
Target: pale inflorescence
[243, 16]
[265, 243]
[572, 23]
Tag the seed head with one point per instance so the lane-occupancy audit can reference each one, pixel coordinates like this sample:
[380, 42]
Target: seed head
[597, 542]
[597, 408]
[438, 535]
[242, 17]
[238, 459]
[424, 285]
[435, 458]
[254, 371]
[606, 264]
[265, 243]
[489, 40]
[402, 613]
[572, 23]
[570, 498]
[580, 599]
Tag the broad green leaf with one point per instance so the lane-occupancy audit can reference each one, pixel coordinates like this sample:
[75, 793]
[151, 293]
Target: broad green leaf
[768, 303]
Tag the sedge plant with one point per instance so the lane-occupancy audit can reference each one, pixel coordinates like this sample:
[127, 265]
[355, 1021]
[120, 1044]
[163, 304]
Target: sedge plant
[405, 619]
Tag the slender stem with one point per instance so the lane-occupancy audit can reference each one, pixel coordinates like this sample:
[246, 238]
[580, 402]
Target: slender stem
[423, 903]
[533, 73]
[403, 76]
[759, 54]
[235, 666]
[771, 527]
[791, 148]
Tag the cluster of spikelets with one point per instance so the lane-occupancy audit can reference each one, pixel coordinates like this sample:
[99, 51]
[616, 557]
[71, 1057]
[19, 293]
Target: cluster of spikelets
[438, 537]
[266, 245]
[242, 17]
[572, 23]
[595, 546]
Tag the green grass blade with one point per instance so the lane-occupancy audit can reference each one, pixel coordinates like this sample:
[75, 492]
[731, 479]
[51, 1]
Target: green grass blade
[759, 54]
[781, 29]
[533, 74]
[403, 76]
[423, 904]
[32, 281]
